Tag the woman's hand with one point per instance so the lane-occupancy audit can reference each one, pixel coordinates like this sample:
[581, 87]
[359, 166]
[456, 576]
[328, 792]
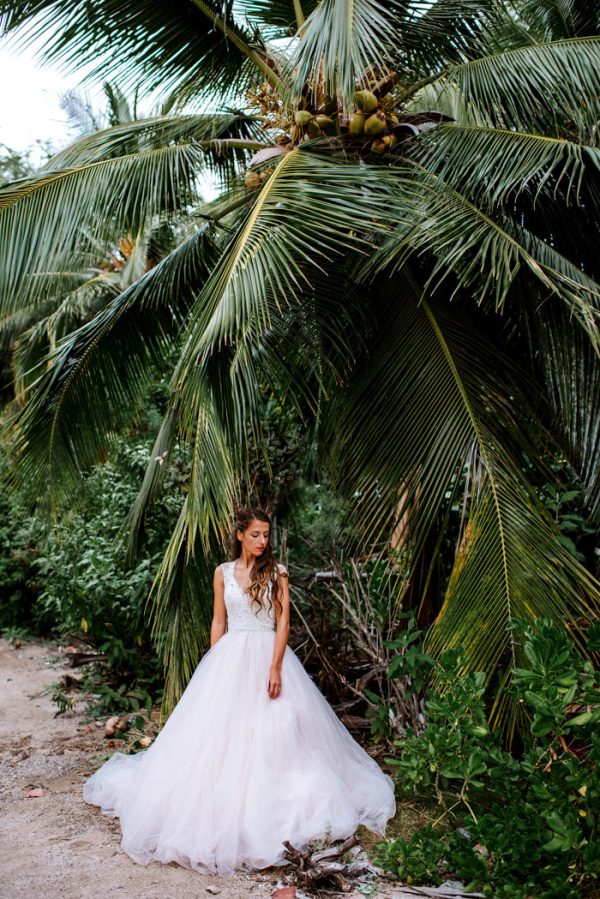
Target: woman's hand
[274, 683]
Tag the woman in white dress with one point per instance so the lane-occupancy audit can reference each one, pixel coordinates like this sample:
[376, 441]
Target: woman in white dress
[252, 754]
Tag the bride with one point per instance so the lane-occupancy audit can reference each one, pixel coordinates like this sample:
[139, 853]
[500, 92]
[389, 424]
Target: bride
[252, 754]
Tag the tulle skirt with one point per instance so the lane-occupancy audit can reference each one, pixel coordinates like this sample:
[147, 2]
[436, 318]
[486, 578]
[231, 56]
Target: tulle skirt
[233, 772]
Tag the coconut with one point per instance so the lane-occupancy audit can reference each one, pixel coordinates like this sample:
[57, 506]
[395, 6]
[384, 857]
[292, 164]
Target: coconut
[325, 123]
[302, 117]
[366, 101]
[379, 146]
[357, 123]
[375, 124]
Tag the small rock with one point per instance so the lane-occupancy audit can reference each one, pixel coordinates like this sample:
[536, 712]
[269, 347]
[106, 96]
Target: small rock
[34, 794]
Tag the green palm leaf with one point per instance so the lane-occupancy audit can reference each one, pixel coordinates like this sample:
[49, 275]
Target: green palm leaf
[93, 382]
[553, 19]
[484, 253]
[181, 613]
[567, 363]
[33, 344]
[193, 47]
[272, 262]
[434, 34]
[492, 165]
[100, 186]
[433, 399]
[511, 563]
[219, 134]
[535, 88]
[284, 17]
[341, 39]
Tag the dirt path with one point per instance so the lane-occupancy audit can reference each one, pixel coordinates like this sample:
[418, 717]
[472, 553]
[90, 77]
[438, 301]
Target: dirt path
[55, 845]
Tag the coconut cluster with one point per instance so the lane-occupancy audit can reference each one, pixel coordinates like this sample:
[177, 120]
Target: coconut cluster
[375, 120]
[371, 123]
[371, 117]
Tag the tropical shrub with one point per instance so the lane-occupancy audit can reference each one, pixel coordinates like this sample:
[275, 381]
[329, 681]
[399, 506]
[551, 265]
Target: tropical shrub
[71, 579]
[513, 825]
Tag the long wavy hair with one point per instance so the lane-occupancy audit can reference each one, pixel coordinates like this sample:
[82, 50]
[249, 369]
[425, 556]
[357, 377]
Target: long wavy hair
[264, 570]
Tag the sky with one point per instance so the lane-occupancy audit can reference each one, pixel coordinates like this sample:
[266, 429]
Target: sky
[30, 99]
[30, 110]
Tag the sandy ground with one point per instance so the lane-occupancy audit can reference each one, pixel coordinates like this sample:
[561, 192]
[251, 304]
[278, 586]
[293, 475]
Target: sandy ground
[56, 845]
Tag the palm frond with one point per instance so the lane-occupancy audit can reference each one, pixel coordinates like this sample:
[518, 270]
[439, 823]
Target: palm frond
[555, 19]
[180, 595]
[33, 344]
[159, 463]
[552, 87]
[76, 404]
[511, 563]
[433, 399]
[207, 130]
[272, 258]
[493, 165]
[568, 366]
[99, 187]
[434, 34]
[484, 253]
[195, 47]
[181, 620]
[282, 17]
[340, 41]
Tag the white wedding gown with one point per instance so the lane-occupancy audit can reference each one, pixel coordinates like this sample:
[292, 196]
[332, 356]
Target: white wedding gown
[233, 772]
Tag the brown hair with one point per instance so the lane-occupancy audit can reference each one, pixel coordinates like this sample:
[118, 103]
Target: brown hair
[265, 568]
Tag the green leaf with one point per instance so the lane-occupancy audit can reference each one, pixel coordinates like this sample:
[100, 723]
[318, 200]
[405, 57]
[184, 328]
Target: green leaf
[495, 164]
[65, 217]
[100, 372]
[484, 253]
[534, 87]
[457, 411]
[339, 41]
[195, 47]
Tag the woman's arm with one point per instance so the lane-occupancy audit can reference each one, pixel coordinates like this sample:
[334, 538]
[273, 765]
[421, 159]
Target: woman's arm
[219, 622]
[281, 635]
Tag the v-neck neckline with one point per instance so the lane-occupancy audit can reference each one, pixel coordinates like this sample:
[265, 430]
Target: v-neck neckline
[245, 592]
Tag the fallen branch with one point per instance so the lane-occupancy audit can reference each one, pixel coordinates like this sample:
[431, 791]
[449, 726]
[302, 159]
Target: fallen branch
[320, 869]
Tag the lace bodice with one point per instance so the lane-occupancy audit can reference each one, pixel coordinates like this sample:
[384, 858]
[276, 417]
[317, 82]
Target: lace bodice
[242, 615]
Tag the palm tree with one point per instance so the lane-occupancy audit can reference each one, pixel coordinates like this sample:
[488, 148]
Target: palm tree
[71, 298]
[403, 251]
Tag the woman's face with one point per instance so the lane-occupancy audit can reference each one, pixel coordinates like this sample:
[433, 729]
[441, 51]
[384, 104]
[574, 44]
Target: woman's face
[255, 538]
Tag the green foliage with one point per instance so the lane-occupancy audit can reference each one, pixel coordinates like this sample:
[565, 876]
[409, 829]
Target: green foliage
[71, 579]
[324, 276]
[59, 696]
[512, 826]
[409, 663]
[19, 536]
[405, 677]
[566, 507]
[110, 696]
[417, 858]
